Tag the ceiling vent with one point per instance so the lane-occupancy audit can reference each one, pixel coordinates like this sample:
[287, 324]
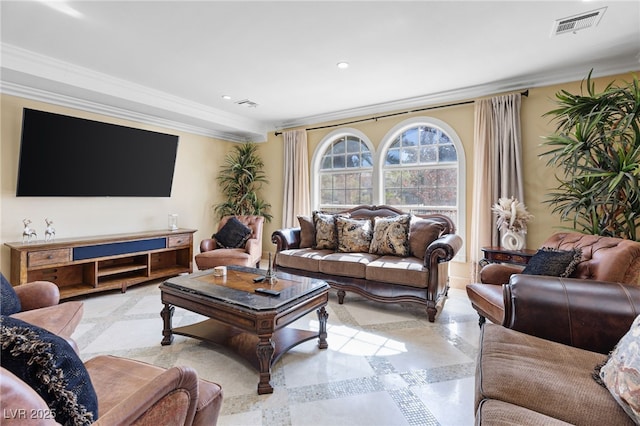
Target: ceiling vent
[247, 103]
[577, 22]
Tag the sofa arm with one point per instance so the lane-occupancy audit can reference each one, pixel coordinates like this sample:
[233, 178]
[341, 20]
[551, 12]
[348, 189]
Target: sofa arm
[498, 273]
[37, 294]
[442, 250]
[170, 398]
[208, 244]
[586, 314]
[285, 239]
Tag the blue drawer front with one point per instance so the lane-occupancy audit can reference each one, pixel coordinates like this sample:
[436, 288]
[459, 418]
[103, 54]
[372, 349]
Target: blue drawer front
[101, 250]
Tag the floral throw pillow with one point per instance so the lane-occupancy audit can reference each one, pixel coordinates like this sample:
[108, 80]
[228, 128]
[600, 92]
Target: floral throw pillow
[391, 235]
[326, 235]
[621, 373]
[354, 235]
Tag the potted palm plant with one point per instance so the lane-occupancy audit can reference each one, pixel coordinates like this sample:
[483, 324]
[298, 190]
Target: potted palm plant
[240, 179]
[596, 150]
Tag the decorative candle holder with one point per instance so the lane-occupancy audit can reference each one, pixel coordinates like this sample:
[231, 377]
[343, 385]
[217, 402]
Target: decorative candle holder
[173, 222]
[270, 276]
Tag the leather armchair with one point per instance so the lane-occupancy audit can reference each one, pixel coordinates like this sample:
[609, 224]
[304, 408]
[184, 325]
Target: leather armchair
[603, 259]
[41, 307]
[129, 392]
[586, 314]
[249, 255]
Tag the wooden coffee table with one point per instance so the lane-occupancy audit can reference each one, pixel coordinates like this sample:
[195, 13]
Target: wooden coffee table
[253, 325]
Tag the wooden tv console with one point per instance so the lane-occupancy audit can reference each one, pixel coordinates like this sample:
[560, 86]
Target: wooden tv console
[87, 265]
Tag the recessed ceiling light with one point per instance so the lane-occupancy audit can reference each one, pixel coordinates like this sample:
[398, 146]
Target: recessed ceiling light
[62, 6]
[343, 65]
[226, 97]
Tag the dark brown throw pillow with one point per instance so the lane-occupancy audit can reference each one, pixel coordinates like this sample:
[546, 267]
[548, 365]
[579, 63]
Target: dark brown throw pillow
[307, 232]
[554, 263]
[423, 232]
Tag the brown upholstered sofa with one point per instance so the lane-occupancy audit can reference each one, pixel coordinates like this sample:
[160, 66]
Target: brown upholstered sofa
[421, 277]
[537, 368]
[603, 259]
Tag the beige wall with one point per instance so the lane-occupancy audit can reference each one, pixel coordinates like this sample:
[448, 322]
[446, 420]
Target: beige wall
[194, 189]
[199, 159]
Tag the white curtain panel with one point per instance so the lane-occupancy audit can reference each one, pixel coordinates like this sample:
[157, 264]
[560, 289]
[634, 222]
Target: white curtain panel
[296, 178]
[497, 168]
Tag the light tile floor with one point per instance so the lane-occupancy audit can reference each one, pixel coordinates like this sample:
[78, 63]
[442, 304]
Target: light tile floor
[385, 365]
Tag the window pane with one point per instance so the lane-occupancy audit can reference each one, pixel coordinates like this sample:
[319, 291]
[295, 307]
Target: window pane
[392, 197]
[367, 159]
[366, 180]
[338, 162]
[339, 146]
[448, 153]
[410, 137]
[338, 181]
[393, 157]
[326, 162]
[366, 197]
[392, 179]
[428, 154]
[353, 144]
[409, 156]
[338, 197]
[326, 196]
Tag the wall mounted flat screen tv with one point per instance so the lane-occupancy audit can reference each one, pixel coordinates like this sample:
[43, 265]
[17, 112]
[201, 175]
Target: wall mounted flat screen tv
[63, 156]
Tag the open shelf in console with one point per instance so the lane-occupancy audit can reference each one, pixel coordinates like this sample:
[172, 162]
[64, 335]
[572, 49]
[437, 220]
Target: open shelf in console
[88, 265]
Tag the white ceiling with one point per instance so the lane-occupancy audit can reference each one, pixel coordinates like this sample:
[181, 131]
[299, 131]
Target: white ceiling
[170, 62]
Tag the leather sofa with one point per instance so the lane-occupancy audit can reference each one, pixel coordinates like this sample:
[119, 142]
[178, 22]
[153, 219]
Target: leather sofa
[603, 259]
[422, 277]
[249, 255]
[537, 367]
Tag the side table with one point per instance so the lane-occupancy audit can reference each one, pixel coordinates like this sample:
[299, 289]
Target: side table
[502, 255]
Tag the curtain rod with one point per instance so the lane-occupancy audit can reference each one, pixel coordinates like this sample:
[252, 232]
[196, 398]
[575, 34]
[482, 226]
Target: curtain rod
[377, 117]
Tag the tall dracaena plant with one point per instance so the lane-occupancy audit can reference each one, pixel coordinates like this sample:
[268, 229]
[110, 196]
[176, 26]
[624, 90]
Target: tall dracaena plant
[596, 149]
[240, 179]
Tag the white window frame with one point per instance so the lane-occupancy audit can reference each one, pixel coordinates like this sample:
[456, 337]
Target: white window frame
[410, 123]
[321, 149]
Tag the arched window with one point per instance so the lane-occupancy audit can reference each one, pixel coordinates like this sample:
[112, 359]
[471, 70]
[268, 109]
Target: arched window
[421, 168]
[342, 171]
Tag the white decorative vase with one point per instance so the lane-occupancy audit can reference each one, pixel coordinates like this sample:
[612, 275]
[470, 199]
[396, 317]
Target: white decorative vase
[513, 240]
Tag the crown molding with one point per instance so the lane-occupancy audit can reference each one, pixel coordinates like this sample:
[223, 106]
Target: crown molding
[631, 64]
[32, 75]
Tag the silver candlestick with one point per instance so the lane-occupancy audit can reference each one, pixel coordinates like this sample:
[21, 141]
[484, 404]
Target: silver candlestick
[270, 276]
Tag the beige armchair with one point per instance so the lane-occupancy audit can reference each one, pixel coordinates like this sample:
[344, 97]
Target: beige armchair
[249, 255]
[603, 259]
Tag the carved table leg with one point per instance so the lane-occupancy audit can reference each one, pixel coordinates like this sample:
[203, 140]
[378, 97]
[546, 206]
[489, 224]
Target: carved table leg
[167, 333]
[341, 294]
[323, 315]
[265, 351]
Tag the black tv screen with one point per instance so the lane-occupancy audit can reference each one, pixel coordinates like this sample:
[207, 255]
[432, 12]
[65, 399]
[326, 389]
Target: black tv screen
[63, 156]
